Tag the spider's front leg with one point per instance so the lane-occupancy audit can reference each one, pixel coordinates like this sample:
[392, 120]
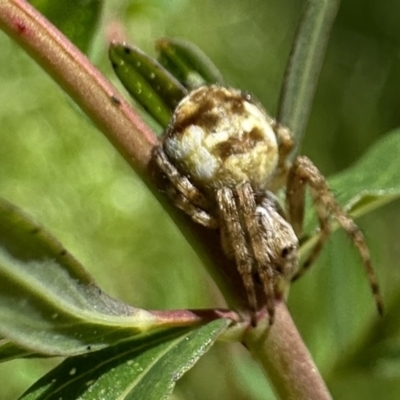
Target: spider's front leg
[258, 244]
[304, 172]
[182, 192]
[236, 242]
[261, 240]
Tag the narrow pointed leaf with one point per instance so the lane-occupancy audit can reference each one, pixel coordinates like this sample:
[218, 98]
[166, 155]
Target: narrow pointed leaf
[304, 65]
[187, 63]
[135, 369]
[50, 305]
[154, 88]
[78, 19]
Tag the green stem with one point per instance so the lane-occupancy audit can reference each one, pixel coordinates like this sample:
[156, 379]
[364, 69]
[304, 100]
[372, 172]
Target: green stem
[304, 65]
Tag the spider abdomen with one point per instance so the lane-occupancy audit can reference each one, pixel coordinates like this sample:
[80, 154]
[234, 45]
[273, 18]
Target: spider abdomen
[219, 137]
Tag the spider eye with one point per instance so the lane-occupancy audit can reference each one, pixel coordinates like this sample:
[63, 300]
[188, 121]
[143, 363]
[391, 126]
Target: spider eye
[286, 251]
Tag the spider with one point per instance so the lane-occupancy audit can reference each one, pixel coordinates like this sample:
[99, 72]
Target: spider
[224, 159]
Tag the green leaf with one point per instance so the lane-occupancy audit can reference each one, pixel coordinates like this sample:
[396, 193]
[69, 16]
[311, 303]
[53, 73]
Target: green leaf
[78, 19]
[187, 63]
[374, 180]
[134, 369]
[154, 88]
[50, 305]
[10, 351]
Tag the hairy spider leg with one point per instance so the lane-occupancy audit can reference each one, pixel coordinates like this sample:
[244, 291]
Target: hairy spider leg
[181, 182]
[305, 172]
[183, 193]
[248, 208]
[285, 147]
[301, 174]
[285, 140]
[231, 221]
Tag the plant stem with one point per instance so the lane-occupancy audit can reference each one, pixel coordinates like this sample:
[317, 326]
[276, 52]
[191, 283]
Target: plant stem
[304, 66]
[116, 119]
[285, 359]
[96, 96]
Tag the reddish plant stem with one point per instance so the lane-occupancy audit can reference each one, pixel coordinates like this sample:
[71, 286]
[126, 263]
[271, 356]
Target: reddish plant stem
[190, 317]
[100, 100]
[96, 96]
[284, 358]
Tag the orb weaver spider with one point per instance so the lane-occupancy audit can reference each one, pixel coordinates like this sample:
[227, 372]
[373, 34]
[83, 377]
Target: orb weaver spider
[224, 159]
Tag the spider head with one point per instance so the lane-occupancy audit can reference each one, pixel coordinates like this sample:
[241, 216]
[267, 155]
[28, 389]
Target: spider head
[280, 241]
[219, 137]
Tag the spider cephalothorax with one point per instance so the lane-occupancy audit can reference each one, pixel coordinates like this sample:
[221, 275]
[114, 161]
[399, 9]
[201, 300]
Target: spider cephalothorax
[224, 157]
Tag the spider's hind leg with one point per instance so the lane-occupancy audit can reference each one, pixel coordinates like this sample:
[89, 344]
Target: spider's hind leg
[305, 172]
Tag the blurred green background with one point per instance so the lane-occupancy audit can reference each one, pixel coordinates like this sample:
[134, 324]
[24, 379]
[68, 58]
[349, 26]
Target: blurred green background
[56, 166]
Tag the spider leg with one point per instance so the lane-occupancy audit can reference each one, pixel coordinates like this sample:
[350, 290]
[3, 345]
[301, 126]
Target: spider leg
[295, 203]
[305, 172]
[285, 147]
[248, 208]
[196, 214]
[232, 227]
[180, 182]
[285, 140]
[183, 193]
